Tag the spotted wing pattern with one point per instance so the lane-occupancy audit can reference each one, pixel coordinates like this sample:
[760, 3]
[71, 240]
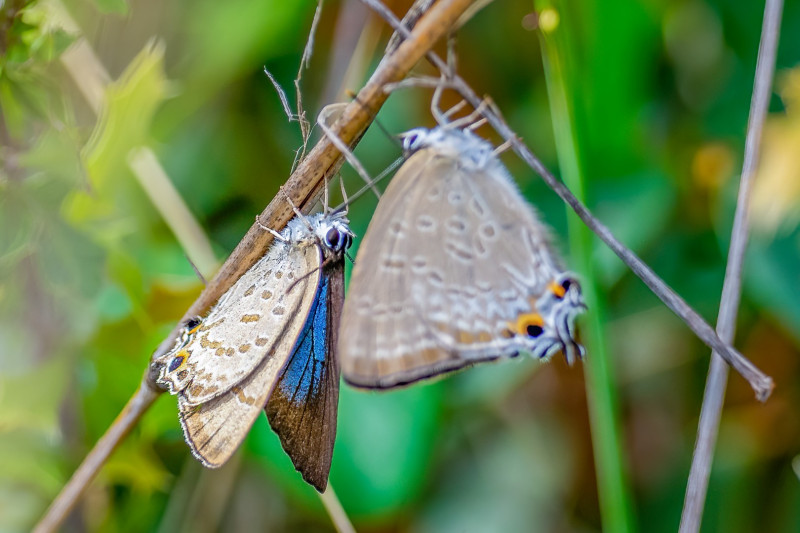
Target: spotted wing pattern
[455, 268]
[275, 322]
[246, 325]
[214, 429]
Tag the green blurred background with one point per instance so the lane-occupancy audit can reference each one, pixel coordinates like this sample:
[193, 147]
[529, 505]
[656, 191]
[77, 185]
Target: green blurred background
[92, 277]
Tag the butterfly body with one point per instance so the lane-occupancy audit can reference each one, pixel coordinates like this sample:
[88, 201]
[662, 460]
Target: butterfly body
[225, 368]
[455, 268]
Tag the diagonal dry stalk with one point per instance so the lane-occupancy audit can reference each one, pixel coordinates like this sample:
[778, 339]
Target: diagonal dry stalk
[761, 383]
[303, 188]
[714, 396]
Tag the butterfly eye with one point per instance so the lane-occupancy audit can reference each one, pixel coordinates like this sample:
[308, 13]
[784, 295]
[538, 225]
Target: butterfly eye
[412, 140]
[566, 284]
[336, 239]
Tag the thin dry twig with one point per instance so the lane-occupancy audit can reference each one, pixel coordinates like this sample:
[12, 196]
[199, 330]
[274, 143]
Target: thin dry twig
[139, 403]
[305, 127]
[300, 115]
[419, 8]
[336, 511]
[761, 383]
[714, 396]
[287, 109]
[303, 188]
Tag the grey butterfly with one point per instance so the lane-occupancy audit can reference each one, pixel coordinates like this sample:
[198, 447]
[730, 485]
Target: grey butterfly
[269, 343]
[455, 268]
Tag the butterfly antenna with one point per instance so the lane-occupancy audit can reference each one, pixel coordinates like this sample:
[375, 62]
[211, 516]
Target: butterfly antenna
[345, 200]
[388, 170]
[376, 120]
[348, 154]
[196, 270]
[325, 197]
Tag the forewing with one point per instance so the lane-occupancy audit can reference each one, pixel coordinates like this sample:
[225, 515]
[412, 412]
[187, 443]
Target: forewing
[384, 340]
[451, 258]
[245, 325]
[216, 428]
[303, 407]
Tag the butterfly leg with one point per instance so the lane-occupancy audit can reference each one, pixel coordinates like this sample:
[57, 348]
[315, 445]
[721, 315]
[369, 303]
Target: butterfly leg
[345, 200]
[441, 118]
[444, 82]
[455, 109]
[477, 124]
[274, 233]
[473, 117]
[502, 148]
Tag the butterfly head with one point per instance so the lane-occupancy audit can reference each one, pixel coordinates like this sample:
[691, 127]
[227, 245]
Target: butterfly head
[459, 144]
[333, 233]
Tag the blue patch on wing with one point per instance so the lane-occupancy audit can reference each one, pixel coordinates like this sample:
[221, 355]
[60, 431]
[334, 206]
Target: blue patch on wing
[304, 374]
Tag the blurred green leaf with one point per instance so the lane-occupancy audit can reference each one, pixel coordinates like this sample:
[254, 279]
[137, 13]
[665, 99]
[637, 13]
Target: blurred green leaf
[31, 400]
[119, 7]
[29, 459]
[134, 465]
[384, 448]
[637, 211]
[771, 275]
[123, 125]
[488, 488]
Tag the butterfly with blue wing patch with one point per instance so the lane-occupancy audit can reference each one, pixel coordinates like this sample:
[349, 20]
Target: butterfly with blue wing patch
[269, 343]
[302, 407]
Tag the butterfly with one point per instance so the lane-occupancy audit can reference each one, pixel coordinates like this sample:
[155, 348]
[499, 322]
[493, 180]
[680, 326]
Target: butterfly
[455, 268]
[269, 343]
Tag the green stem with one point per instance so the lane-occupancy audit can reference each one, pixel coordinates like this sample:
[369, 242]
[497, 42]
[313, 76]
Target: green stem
[613, 493]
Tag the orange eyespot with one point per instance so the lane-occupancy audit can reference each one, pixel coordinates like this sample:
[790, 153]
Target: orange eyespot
[557, 289]
[530, 324]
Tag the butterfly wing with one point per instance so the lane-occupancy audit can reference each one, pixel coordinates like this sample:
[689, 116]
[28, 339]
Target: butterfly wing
[381, 332]
[453, 262]
[214, 429]
[303, 407]
[244, 327]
